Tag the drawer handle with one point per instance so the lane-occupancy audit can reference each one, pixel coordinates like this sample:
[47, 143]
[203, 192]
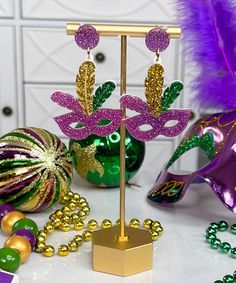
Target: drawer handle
[7, 111]
[100, 57]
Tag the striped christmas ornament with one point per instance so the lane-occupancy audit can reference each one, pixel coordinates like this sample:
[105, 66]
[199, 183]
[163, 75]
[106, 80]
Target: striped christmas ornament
[35, 169]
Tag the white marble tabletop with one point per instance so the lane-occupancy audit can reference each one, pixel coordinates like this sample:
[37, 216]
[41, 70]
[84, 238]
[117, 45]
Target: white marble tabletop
[181, 255]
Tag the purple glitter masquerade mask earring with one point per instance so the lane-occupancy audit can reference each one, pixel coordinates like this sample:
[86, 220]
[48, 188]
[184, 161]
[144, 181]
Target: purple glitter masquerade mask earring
[87, 124]
[85, 110]
[216, 135]
[157, 124]
[154, 112]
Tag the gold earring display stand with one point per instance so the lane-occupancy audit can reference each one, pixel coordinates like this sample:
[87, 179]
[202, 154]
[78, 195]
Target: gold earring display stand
[122, 250]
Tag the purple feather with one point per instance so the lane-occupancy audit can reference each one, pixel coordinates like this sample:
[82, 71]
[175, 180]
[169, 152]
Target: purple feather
[209, 35]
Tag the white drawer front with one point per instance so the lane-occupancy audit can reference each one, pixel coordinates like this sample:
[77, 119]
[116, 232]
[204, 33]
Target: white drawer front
[6, 9]
[51, 56]
[8, 95]
[40, 110]
[156, 11]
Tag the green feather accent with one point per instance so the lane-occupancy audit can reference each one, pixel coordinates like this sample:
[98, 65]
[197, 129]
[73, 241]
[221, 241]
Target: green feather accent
[170, 94]
[103, 92]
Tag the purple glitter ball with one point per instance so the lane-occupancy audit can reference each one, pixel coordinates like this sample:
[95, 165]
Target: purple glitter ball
[157, 40]
[28, 235]
[4, 209]
[86, 37]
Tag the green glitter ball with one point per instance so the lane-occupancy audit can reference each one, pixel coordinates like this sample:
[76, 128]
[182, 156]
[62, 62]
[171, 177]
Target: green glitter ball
[97, 159]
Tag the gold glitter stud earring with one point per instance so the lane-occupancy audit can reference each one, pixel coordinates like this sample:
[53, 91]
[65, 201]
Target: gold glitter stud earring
[157, 40]
[87, 38]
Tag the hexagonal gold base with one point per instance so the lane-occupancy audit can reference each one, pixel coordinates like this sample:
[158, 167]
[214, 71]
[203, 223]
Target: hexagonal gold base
[110, 255]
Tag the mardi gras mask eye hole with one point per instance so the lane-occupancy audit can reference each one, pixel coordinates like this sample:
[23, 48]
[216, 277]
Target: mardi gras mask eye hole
[145, 127]
[104, 122]
[171, 123]
[76, 125]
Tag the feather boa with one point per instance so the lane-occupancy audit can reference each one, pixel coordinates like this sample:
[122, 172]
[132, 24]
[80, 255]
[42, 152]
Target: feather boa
[209, 36]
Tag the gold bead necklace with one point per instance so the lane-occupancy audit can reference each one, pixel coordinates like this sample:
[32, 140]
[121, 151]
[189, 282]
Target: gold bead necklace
[66, 218]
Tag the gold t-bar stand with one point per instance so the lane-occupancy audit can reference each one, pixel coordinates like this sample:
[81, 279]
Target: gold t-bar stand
[122, 250]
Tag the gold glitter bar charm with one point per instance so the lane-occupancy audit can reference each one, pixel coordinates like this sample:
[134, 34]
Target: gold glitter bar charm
[153, 88]
[85, 81]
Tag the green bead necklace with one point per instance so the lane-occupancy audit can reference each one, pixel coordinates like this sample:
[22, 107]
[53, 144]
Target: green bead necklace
[224, 247]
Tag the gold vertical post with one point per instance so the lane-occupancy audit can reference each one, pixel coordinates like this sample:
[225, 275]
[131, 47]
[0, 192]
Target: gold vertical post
[122, 236]
[122, 250]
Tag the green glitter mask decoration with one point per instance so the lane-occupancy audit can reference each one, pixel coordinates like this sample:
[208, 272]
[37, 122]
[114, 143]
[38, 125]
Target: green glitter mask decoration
[102, 93]
[170, 94]
[205, 142]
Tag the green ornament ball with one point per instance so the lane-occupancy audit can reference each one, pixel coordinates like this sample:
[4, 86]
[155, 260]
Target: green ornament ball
[9, 259]
[26, 223]
[97, 159]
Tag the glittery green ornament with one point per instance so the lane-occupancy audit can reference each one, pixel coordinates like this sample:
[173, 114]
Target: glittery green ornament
[97, 159]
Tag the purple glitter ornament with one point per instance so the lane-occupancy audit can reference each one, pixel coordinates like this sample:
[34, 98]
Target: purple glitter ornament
[28, 235]
[157, 124]
[86, 37]
[218, 173]
[4, 209]
[157, 40]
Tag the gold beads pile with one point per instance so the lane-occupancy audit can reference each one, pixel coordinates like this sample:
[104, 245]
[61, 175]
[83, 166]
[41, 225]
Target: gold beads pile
[66, 218]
